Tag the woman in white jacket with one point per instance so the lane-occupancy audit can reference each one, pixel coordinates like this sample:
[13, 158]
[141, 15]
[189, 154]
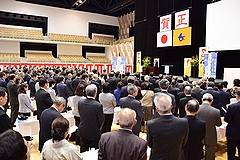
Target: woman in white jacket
[25, 106]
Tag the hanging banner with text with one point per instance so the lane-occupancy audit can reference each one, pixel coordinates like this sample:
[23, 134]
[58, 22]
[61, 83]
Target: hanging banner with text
[210, 64]
[187, 66]
[138, 65]
[202, 52]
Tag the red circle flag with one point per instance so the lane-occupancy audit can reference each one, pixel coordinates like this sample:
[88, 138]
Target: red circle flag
[164, 39]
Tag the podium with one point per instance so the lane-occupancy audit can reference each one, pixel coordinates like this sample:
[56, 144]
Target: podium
[166, 68]
[150, 69]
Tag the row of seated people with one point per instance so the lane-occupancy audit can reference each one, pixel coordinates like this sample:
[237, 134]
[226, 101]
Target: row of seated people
[21, 33]
[103, 39]
[98, 59]
[69, 38]
[5, 57]
[39, 57]
[72, 58]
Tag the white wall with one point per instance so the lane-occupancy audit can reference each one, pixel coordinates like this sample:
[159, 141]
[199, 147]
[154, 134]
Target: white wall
[223, 25]
[59, 20]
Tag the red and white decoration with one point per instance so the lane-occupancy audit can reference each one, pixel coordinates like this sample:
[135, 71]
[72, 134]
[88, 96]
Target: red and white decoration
[164, 39]
[165, 23]
[182, 19]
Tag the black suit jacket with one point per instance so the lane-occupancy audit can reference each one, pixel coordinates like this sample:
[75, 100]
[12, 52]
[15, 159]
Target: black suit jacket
[32, 88]
[113, 84]
[194, 146]
[224, 99]
[3, 83]
[182, 103]
[12, 91]
[43, 101]
[46, 119]
[135, 148]
[124, 93]
[91, 119]
[232, 118]
[197, 91]
[166, 136]
[131, 102]
[5, 122]
[75, 83]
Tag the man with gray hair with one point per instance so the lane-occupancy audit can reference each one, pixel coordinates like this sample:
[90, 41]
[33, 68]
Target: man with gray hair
[167, 134]
[134, 148]
[92, 118]
[212, 118]
[197, 90]
[46, 119]
[183, 101]
[163, 88]
[131, 102]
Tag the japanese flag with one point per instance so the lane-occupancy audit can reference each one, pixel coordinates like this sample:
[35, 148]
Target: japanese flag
[164, 39]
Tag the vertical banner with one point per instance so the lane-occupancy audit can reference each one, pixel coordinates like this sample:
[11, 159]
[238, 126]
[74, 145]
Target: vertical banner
[123, 65]
[187, 66]
[214, 65]
[114, 63]
[202, 52]
[138, 66]
[207, 64]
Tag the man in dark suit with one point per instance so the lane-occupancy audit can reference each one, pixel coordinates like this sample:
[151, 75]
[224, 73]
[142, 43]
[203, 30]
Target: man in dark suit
[76, 81]
[112, 81]
[32, 83]
[163, 87]
[92, 119]
[5, 122]
[183, 101]
[167, 134]
[3, 84]
[233, 127]
[210, 86]
[224, 99]
[43, 98]
[197, 130]
[131, 102]
[46, 119]
[62, 89]
[124, 92]
[134, 149]
[13, 98]
[212, 118]
[197, 90]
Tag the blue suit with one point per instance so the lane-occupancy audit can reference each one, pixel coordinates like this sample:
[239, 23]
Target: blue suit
[46, 119]
[62, 90]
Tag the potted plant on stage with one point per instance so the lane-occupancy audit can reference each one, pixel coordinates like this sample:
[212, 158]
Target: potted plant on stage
[146, 62]
[194, 65]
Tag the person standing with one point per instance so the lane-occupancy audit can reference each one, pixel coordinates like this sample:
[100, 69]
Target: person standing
[131, 102]
[62, 89]
[25, 106]
[46, 119]
[43, 98]
[183, 101]
[135, 148]
[108, 101]
[92, 118]
[212, 118]
[233, 127]
[166, 134]
[5, 122]
[13, 98]
[197, 130]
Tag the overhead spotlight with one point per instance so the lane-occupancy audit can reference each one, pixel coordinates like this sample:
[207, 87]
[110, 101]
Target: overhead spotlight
[78, 3]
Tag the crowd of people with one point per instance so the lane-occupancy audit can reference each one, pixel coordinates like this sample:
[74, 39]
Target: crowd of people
[179, 116]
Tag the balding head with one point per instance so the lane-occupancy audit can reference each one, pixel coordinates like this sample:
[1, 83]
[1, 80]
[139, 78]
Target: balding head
[187, 90]
[127, 118]
[192, 107]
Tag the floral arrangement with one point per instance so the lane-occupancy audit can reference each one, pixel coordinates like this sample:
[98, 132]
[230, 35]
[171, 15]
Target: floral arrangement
[195, 61]
[146, 62]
